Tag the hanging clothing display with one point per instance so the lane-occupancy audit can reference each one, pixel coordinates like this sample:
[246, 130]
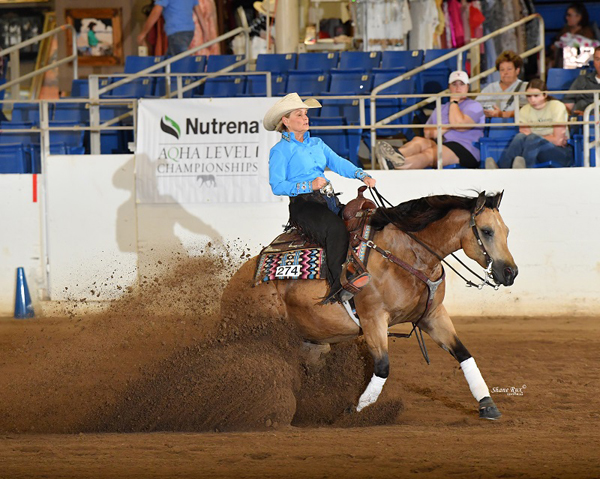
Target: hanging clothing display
[424, 14]
[383, 23]
[206, 30]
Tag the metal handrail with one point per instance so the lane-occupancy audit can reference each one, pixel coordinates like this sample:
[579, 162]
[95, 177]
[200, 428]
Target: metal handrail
[456, 53]
[95, 91]
[14, 57]
[586, 131]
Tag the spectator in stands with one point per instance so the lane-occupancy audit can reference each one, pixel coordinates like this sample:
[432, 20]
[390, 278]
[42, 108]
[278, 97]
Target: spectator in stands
[179, 23]
[577, 102]
[538, 144]
[297, 169]
[509, 66]
[458, 140]
[577, 21]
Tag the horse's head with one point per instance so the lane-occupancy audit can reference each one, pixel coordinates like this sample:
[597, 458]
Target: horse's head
[486, 240]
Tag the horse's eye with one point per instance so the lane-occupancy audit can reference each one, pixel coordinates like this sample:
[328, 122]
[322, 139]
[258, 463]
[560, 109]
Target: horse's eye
[487, 232]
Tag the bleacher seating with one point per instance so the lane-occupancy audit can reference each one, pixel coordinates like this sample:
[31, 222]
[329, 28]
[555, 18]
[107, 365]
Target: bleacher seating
[14, 159]
[26, 112]
[323, 62]
[224, 86]
[561, 79]
[77, 112]
[496, 139]
[307, 83]
[137, 88]
[134, 64]
[408, 60]
[194, 64]
[349, 82]
[388, 106]
[214, 63]
[363, 61]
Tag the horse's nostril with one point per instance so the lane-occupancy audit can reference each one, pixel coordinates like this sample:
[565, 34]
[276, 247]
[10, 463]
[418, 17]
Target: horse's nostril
[509, 274]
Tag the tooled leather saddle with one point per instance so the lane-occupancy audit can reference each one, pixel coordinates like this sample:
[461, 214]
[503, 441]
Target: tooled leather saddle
[293, 256]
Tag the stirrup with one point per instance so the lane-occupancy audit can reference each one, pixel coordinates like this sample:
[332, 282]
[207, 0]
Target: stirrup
[356, 282]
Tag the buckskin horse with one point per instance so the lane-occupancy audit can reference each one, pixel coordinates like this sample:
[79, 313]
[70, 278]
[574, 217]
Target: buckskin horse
[407, 283]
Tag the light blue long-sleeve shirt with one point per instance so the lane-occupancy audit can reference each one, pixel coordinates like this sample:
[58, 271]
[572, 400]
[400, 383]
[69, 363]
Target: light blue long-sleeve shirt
[293, 165]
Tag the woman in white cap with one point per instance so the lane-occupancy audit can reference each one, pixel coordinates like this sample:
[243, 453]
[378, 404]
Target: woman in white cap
[458, 141]
[297, 169]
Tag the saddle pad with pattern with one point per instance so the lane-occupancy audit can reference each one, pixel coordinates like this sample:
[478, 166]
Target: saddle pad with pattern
[290, 256]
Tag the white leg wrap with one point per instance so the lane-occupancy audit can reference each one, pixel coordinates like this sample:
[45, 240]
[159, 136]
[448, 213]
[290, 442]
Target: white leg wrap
[371, 393]
[476, 383]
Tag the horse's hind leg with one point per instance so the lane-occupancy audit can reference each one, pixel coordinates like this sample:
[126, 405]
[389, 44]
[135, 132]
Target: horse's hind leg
[439, 326]
[376, 338]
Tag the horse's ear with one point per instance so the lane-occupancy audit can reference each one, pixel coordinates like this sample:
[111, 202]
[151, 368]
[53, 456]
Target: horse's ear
[498, 199]
[479, 205]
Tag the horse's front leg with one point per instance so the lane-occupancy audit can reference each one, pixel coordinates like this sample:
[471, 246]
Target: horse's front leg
[375, 333]
[439, 326]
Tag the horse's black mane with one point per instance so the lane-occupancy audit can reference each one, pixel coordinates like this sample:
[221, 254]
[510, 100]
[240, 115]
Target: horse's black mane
[415, 215]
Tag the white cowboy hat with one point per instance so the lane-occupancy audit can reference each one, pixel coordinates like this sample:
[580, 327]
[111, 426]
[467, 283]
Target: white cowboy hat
[264, 6]
[285, 105]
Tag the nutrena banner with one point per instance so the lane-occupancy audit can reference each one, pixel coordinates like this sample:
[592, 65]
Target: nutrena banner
[203, 151]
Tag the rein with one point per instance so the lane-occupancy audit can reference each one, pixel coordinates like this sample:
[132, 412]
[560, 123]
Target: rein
[379, 201]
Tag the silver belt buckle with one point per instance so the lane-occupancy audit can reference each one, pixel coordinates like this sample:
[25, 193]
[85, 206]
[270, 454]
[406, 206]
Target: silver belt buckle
[327, 190]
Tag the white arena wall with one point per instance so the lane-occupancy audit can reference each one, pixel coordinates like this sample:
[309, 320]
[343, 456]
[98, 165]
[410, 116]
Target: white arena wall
[95, 236]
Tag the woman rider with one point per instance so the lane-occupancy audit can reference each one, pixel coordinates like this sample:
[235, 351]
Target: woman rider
[297, 169]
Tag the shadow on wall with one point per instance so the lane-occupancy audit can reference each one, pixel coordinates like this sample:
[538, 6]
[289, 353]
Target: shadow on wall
[156, 231]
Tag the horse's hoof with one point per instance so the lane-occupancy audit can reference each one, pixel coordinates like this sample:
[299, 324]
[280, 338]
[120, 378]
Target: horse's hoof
[488, 409]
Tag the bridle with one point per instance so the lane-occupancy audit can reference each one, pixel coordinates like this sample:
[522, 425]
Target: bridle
[488, 279]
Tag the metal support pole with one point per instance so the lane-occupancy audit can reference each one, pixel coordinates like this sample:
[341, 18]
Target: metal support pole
[94, 116]
[438, 118]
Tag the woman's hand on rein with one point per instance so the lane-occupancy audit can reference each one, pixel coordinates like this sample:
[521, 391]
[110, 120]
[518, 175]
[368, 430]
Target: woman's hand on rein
[370, 182]
[318, 183]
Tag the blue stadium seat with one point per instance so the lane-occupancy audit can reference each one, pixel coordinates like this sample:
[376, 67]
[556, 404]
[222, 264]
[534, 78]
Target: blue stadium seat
[307, 83]
[80, 88]
[14, 159]
[225, 86]
[72, 138]
[365, 61]
[402, 59]
[577, 143]
[349, 110]
[496, 139]
[256, 85]
[323, 62]
[134, 64]
[435, 79]
[450, 63]
[77, 112]
[561, 79]
[27, 112]
[24, 138]
[138, 88]
[193, 64]
[388, 106]
[214, 63]
[349, 82]
[275, 62]
[337, 140]
[160, 87]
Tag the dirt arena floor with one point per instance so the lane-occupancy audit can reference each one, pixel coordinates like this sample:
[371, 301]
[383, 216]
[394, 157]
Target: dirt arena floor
[160, 386]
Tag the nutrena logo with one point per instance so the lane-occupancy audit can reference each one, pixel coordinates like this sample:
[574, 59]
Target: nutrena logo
[170, 126]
